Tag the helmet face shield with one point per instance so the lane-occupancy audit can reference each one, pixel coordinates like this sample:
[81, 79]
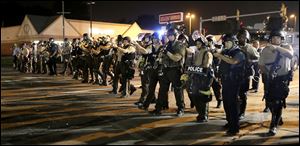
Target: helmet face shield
[277, 33]
[243, 36]
[229, 37]
[51, 40]
[228, 44]
[172, 31]
[211, 39]
[196, 35]
[171, 37]
[276, 40]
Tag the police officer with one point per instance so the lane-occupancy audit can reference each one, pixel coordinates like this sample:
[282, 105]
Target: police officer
[117, 65]
[39, 57]
[53, 50]
[275, 64]
[107, 59]
[190, 55]
[256, 77]
[16, 54]
[86, 58]
[75, 53]
[199, 77]
[34, 56]
[144, 74]
[127, 65]
[151, 68]
[252, 55]
[232, 68]
[172, 61]
[30, 56]
[184, 39]
[44, 57]
[66, 54]
[24, 58]
[216, 85]
[97, 60]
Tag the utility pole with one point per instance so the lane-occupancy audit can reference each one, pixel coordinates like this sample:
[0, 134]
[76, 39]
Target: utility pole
[91, 15]
[63, 14]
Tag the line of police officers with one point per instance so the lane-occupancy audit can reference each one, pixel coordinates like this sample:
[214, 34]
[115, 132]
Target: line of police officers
[230, 67]
[34, 58]
[196, 63]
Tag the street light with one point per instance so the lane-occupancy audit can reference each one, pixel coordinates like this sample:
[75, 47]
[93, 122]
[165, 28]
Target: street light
[91, 15]
[190, 16]
[294, 16]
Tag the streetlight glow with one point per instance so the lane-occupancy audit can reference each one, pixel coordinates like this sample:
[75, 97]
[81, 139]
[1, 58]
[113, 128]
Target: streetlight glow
[295, 22]
[292, 16]
[190, 16]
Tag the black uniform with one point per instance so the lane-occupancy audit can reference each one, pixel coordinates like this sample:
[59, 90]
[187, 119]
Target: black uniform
[144, 73]
[76, 53]
[97, 59]
[172, 72]
[107, 61]
[216, 85]
[152, 70]
[276, 77]
[127, 71]
[86, 60]
[199, 82]
[231, 79]
[52, 48]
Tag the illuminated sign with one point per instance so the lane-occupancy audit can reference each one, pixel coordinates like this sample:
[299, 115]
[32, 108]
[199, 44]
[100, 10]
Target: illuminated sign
[171, 17]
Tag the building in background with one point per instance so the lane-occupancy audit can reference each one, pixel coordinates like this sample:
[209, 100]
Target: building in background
[35, 28]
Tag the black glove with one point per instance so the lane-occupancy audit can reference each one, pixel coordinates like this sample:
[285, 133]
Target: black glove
[169, 49]
[165, 51]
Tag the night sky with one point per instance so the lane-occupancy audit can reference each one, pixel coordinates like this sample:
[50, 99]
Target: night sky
[145, 12]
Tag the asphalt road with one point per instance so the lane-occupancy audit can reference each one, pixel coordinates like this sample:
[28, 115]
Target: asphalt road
[41, 109]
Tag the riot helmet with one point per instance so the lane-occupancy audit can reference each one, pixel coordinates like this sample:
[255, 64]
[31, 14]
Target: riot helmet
[243, 36]
[274, 34]
[202, 40]
[172, 31]
[277, 33]
[229, 37]
[85, 36]
[183, 37]
[51, 40]
[127, 39]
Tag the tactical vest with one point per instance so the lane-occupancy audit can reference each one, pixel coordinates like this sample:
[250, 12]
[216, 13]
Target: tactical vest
[152, 56]
[128, 57]
[104, 52]
[231, 71]
[200, 79]
[127, 63]
[87, 44]
[249, 70]
[167, 62]
[144, 59]
[52, 48]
